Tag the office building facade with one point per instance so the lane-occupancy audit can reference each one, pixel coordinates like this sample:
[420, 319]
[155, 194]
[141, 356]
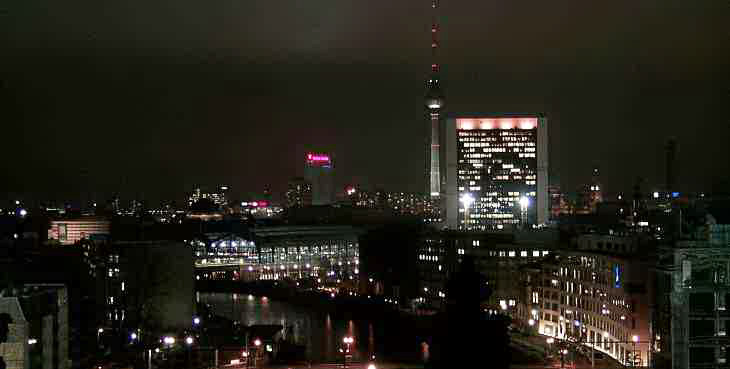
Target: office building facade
[218, 197]
[496, 169]
[72, 230]
[274, 253]
[298, 193]
[318, 171]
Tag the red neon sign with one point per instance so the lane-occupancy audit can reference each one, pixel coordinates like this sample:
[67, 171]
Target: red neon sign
[318, 157]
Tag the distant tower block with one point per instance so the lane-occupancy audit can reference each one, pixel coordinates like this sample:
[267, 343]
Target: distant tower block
[318, 171]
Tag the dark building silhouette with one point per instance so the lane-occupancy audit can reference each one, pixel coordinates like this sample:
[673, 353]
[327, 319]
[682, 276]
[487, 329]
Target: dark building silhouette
[465, 336]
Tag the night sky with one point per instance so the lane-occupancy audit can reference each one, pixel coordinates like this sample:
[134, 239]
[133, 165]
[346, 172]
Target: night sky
[154, 97]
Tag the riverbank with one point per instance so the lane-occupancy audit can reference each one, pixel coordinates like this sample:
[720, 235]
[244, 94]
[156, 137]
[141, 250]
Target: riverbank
[354, 307]
[396, 333]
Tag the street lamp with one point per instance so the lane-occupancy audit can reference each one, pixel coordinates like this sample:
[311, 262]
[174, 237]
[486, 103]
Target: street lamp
[189, 340]
[98, 335]
[466, 199]
[347, 340]
[634, 339]
[196, 320]
[257, 344]
[531, 322]
[524, 203]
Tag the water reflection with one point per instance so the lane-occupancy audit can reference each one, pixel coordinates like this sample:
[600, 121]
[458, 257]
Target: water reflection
[319, 332]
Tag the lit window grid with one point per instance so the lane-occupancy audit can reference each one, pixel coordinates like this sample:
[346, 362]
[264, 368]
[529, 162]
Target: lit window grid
[497, 167]
[581, 288]
[338, 256]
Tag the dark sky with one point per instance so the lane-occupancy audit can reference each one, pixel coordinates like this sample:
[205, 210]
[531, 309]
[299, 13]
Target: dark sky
[154, 97]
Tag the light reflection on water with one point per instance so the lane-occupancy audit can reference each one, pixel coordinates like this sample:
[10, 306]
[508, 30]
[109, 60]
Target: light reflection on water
[319, 332]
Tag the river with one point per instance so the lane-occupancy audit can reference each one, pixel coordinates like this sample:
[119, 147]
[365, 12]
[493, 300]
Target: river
[320, 332]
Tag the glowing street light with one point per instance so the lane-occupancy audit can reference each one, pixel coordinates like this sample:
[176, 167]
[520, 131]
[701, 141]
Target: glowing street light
[466, 199]
[196, 320]
[189, 340]
[635, 338]
[531, 322]
[168, 340]
[133, 336]
[257, 342]
[524, 204]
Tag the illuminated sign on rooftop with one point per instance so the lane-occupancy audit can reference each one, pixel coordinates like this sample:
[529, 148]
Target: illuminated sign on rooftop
[318, 158]
[496, 123]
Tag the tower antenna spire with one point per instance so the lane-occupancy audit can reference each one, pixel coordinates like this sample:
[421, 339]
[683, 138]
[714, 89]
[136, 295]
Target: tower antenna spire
[434, 103]
[434, 37]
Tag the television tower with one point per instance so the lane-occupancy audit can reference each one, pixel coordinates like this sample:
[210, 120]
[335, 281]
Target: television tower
[434, 104]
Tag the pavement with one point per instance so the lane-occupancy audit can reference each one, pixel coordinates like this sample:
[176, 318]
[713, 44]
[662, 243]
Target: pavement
[349, 366]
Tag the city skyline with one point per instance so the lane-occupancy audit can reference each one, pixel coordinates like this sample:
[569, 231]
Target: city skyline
[141, 106]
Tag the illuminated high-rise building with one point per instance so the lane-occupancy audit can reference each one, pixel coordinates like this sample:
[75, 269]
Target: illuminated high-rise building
[318, 171]
[298, 193]
[434, 104]
[219, 197]
[496, 169]
[590, 195]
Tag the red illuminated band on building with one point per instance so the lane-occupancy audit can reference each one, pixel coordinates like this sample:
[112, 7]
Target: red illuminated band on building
[319, 158]
[496, 123]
